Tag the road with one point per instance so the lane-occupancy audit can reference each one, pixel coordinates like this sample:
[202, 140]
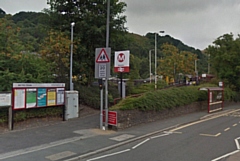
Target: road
[211, 140]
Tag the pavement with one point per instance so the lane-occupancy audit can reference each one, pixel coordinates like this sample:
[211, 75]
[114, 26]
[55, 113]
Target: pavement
[79, 138]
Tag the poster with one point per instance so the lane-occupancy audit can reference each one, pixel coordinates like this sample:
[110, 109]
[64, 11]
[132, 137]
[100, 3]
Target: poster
[31, 100]
[42, 97]
[60, 96]
[51, 97]
[19, 98]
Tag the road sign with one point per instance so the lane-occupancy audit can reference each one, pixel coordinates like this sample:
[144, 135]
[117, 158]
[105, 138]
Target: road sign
[102, 62]
[102, 70]
[102, 57]
[112, 117]
[121, 63]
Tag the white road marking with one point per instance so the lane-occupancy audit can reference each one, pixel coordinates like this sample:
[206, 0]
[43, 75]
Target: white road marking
[200, 121]
[154, 137]
[140, 143]
[237, 143]
[104, 156]
[226, 155]
[227, 129]
[234, 125]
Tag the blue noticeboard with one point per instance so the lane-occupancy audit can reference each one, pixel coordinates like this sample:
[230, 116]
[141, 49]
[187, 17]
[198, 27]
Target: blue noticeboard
[42, 97]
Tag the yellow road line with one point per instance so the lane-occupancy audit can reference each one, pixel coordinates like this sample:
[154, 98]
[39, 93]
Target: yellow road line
[227, 129]
[211, 135]
[204, 120]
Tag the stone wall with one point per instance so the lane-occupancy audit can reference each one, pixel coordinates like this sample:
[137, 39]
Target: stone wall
[128, 118]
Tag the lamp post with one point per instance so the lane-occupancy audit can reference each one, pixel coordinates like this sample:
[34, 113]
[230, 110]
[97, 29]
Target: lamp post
[156, 58]
[208, 63]
[196, 71]
[150, 65]
[71, 56]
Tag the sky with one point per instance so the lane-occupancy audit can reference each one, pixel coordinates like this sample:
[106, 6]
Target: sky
[197, 23]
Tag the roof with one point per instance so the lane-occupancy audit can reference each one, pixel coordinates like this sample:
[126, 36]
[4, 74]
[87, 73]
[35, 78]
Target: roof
[210, 89]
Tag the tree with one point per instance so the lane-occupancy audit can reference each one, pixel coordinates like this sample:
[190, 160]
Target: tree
[90, 27]
[2, 13]
[56, 50]
[175, 62]
[225, 58]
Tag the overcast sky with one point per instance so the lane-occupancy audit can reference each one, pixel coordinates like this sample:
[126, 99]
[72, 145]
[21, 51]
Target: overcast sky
[196, 23]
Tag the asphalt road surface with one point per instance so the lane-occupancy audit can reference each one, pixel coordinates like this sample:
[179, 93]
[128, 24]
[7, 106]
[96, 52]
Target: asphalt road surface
[211, 140]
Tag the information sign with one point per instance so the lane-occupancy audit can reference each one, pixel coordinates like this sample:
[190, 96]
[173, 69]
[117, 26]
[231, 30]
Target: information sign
[60, 96]
[112, 117]
[33, 95]
[51, 97]
[19, 98]
[5, 99]
[31, 100]
[121, 61]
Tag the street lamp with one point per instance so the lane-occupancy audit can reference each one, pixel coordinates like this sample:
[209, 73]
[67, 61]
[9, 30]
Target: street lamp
[150, 65]
[71, 57]
[156, 58]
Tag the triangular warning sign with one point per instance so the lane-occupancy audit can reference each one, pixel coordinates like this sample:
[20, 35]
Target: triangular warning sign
[102, 57]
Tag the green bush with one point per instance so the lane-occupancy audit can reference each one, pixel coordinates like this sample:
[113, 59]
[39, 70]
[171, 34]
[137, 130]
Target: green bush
[171, 97]
[162, 99]
[21, 115]
[3, 114]
[145, 87]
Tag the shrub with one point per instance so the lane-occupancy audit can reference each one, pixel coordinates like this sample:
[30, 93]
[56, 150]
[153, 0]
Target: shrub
[162, 99]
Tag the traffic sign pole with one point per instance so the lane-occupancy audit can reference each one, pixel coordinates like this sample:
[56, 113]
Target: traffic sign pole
[106, 80]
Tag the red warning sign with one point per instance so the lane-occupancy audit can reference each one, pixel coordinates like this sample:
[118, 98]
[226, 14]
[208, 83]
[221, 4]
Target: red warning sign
[102, 57]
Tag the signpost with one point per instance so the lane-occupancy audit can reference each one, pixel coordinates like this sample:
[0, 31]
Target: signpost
[102, 70]
[121, 64]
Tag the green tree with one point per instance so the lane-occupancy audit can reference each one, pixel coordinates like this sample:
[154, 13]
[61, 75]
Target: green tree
[56, 50]
[175, 62]
[16, 64]
[90, 27]
[2, 13]
[225, 58]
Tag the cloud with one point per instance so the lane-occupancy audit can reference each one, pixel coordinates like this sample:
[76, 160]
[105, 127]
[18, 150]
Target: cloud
[15, 6]
[196, 23]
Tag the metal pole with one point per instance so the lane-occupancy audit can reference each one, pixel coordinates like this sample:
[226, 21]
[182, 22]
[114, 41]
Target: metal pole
[150, 66]
[71, 57]
[106, 80]
[101, 111]
[121, 83]
[196, 71]
[208, 63]
[155, 61]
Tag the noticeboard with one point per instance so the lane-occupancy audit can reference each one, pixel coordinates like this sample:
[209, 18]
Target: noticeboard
[35, 95]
